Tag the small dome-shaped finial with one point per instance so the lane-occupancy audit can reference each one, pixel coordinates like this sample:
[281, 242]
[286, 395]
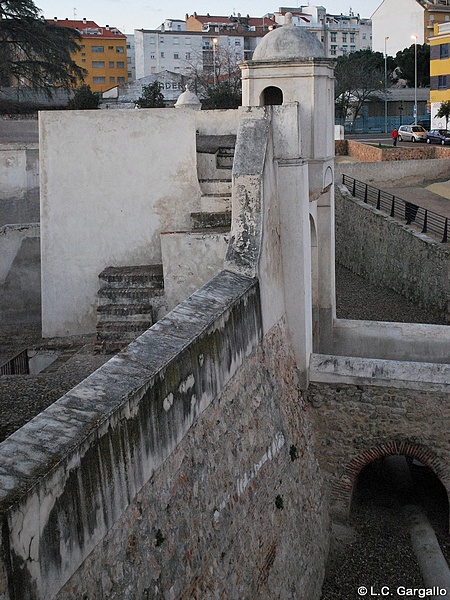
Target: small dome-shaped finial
[288, 18]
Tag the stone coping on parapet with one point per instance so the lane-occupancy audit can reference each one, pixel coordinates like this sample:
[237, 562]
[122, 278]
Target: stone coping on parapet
[114, 391]
[430, 377]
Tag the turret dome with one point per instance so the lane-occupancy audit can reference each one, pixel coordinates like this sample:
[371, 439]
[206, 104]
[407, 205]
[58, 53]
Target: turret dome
[288, 43]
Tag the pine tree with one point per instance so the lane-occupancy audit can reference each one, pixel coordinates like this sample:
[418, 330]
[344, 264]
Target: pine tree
[34, 53]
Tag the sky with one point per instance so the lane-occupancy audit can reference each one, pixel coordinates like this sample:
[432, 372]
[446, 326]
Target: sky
[128, 15]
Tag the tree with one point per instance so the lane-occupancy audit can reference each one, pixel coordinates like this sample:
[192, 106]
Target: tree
[444, 112]
[222, 96]
[84, 99]
[359, 77]
[152, 97]
[34, 53]
[405, 62]
[208, 70]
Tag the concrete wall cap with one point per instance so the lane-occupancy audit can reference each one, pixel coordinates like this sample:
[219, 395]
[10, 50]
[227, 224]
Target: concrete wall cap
[288, 43]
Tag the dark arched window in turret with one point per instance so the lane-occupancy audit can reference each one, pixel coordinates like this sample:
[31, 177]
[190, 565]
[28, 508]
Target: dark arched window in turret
[272, 96]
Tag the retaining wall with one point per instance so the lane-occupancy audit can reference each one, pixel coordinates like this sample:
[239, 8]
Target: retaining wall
[370, 153]
[184, 467]
[20, 273]
[378, 247]
[382, 421]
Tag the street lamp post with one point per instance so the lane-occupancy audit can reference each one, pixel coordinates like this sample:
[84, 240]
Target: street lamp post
[385, 87]
[414, 37]
[215, 40]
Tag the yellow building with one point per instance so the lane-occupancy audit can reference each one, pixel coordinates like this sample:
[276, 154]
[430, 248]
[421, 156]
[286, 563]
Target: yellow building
[439, 70]
[103, 53]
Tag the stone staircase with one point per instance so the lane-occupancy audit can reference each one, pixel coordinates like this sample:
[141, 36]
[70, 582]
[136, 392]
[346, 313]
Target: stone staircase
[129, 301]
[215, 156]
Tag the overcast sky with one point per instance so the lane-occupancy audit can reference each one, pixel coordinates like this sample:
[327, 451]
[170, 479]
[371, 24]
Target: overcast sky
[128, 15]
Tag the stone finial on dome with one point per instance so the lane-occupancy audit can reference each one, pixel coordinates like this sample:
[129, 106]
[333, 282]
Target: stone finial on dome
[188, 100]
[288, 19]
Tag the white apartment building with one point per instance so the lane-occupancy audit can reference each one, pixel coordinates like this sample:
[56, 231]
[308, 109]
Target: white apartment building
[340, 34]
[131, 57]
[174, 47]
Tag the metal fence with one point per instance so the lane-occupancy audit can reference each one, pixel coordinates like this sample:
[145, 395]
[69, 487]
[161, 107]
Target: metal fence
[17, 365]
[425, 220]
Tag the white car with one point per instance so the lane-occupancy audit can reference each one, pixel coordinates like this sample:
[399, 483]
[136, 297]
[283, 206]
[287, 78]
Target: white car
[412, 133]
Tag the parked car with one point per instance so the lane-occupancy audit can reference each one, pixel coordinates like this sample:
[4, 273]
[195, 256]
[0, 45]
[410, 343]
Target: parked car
[412, 133]
[426, 123]
[438, 136]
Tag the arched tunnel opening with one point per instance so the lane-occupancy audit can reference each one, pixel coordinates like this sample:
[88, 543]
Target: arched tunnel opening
[378, 550]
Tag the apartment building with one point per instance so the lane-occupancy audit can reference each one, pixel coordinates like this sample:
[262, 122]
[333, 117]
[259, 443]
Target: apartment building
[405, 21]
[181, 46]
[439, 70]
[103, 53]
[339, 34]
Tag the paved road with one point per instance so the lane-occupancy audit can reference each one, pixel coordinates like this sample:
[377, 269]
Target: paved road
[25, 130]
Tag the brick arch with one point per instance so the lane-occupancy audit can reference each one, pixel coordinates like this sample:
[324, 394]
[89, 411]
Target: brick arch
[342, 489]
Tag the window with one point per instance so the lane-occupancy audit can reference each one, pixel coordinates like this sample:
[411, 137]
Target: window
[112, 80]
[128, 46]
[176, 40]
[344, 50]
[98, 64]
[82, 47]
[120, 64]
[128, 60]
[99, 80]
[152, 56]
[152, 40]
[237, 42]
[121, 80]
[333, 50]
[120, 49]
[344, 38]
[83, 60]
[83, 54]
[98, 48]
[187, 41]
[431, 17]
[111, 64]
[176, 55]
[443, 50]
[333, 36]
[130, 75]
[352, 48]
[442, 82]
[352, 38]
[363, 36]
[110, 47]
[162, 54]
[161, 40]
[188, 56]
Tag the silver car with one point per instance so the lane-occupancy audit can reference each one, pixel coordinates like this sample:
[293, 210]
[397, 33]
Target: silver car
[412, 133]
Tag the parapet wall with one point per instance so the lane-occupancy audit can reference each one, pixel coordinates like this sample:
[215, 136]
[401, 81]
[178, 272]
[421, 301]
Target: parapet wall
[372, 153]
[184, 467]
[392, 254]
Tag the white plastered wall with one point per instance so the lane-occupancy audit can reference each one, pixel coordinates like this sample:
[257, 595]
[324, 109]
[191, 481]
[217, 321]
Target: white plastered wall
[398, 20]
[111, 181]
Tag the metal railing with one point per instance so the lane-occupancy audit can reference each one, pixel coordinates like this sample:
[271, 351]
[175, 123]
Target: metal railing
[17, 365]
[425, 220]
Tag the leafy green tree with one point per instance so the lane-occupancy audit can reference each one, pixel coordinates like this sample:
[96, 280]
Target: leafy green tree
[222, 96]
[405, 62]
[34, 53]
[359, 77]
[444, 112]
[152, 97]
[84, 99]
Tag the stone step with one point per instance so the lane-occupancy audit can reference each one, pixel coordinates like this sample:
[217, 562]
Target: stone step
[128, 330]
[125, 313]
[211, 220]
[148, 276]
[115, 295]
[212, 203]
[221, 187]
[224, 158]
